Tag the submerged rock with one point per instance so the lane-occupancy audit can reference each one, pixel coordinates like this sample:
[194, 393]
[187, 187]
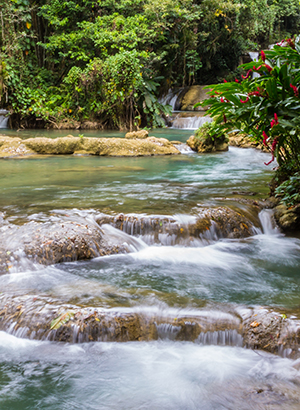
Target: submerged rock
[81, 146]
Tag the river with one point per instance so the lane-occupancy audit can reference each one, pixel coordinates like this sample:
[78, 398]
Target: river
[210, 276]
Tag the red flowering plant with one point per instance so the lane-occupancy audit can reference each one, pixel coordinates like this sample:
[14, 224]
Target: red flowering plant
[267, 106]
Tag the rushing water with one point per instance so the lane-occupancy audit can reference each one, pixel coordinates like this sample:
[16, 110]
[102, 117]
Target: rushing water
[207, 276]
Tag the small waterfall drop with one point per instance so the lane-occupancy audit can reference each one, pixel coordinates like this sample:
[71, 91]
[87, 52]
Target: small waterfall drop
[268, 223]
[4, 118]
[133, 244]
[173, 98]
[254, 57]
[184, 149]
[192, 122]
[229, 337]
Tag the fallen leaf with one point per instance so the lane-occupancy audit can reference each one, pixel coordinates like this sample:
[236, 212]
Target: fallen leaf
[255, 324]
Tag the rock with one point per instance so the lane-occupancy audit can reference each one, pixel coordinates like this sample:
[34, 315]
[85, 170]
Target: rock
[87, 146]
[66, 124]
[206, 145]
[288, 219]
[272, 331]
[225, 223]
[91, 125]
[142, 134]
[195, 94]
[262, 330]
[218, 222]
[41, 317]
[11, 147]
[49, 243]
[242, 140]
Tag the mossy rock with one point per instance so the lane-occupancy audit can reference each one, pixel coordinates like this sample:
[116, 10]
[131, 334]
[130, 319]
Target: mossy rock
[205, 140]
[69, 145]
[142, 134]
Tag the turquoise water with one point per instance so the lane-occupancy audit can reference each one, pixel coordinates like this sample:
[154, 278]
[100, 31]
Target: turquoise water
[216, 275]
[174, 134]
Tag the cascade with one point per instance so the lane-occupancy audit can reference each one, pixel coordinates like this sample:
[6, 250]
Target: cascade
[183, 117]
[254, 57]
[4, 118]
[189, 120]
[147, 283]
[268, 223]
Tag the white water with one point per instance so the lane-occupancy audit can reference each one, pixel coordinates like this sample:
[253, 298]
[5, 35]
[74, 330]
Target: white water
[170, 98]
[268, 223]
[150, 376]
[3, 118]
[190, 123]
[209, 277]
[254, 57]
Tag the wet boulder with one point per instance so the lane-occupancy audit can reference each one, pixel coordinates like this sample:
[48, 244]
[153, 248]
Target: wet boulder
[288, 219]
[208, 223]
[49, 243]
[224, 223]
[44, 318]
[203, 141]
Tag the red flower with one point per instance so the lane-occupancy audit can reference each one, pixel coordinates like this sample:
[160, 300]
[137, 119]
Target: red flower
[246, 100]
[268, 68]
[263, 56]
[225, 81]
[258, 68]
[274, 143]
[257, 93]
[265, 139]
[222, 99]
[236, 80]
[247, 75]
[295, 89]
[268, 163]
[275, 121]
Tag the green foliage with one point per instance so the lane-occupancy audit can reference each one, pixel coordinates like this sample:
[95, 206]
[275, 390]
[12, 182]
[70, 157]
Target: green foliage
[210, 132]
[265, 107]
[109, 60]
[289, 191]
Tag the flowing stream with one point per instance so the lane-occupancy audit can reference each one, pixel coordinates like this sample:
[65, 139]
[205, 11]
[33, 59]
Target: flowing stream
[166, 274]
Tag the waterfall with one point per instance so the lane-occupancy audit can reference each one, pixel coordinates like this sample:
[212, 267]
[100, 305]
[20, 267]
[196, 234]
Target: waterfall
[267, 222]
[173, 98]
[254, 57]
[192, 122]
[4, 118]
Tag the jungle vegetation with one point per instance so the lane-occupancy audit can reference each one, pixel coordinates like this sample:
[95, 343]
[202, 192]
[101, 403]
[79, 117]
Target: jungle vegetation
[110, 60]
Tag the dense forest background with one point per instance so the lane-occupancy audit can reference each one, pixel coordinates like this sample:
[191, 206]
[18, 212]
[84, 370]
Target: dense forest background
[110, 60]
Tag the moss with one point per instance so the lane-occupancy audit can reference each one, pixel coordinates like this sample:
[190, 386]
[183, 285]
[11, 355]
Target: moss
[208, 139]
